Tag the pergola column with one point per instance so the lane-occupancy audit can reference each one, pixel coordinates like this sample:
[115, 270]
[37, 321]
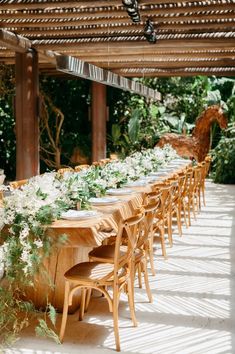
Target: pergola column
[26, 113]
[98, 117]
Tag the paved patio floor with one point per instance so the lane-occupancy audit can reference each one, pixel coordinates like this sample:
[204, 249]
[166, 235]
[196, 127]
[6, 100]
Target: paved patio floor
[194, 297]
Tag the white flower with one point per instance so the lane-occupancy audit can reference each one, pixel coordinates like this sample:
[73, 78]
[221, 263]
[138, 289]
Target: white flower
[38, 243]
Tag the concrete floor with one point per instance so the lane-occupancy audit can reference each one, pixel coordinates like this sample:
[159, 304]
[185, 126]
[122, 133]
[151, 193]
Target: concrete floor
[194, 297]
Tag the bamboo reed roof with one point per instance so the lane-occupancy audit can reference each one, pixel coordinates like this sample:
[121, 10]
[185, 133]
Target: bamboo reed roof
[193, 37]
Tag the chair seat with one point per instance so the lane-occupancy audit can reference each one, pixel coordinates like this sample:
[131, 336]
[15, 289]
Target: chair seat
[106, 253]
[89, 271]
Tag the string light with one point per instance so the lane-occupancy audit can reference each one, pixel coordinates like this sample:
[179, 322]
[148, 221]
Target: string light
[149, 32]
[132, 9]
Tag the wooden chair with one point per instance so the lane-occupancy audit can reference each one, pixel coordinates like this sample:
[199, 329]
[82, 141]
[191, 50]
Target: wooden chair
[61, 171]
[207, 160]
[158, 224]
[204, 171]
[105, 253]
[105, 161]
[176, 199]
[103, 275]
[186, 196]
[18, 184]
[81, 167]
[197, 178]
[164, 216]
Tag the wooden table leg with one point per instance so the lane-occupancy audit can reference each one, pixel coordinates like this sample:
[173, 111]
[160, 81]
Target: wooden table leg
[53, 272]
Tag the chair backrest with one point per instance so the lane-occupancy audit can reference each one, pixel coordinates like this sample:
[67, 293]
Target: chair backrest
[189, 182]
[64, 170]
[197, 176]
[18, 184]
[133, 228]
[151, 210]
[208, 160]
[203, 167]
[166, 198]
[81, 167]
[175, 190]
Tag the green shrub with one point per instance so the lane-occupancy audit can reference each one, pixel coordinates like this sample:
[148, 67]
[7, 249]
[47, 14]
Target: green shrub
[224, 158]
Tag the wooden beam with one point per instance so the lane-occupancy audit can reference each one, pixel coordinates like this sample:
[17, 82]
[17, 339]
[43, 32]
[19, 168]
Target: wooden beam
[206, 53]
[52, 72]
[192, 71]
[161, 28]
[99, 117]
[165, 64]
[77, 4]
[14, 42]
[91, 18]
[184, 55]
[146, 9]
[80, 4]
[76, 67]
[120, 46]
[26, 111]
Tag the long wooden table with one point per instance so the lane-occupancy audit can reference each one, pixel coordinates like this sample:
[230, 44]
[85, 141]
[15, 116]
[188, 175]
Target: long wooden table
[82, 236]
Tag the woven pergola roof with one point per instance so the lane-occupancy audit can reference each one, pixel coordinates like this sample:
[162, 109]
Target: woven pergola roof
[193, 37]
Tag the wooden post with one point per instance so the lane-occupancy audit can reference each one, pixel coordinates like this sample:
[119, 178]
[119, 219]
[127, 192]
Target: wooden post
[26, 113]
[98, 117]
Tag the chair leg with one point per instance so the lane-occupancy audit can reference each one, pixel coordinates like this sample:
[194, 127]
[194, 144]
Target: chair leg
[131, 302]
[139, 276]
[203, 194]
[189, 211]
[115, 319]
[193, 205]
[65, 311]
[169, 227]
[150, 254]
[82, 304]
[178, 216]
[185, 219]
[146, 280]
[88, 298]
[199, 199]
[162, 238]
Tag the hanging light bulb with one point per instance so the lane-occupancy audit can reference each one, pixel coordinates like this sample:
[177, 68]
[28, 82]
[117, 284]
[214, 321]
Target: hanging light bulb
[149, 32]
[132, 9]
[128, 2]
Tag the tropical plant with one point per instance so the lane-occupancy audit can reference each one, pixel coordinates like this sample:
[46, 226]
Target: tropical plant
[224, 157]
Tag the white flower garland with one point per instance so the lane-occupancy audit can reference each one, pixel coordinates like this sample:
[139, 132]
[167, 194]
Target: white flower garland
[28, 209]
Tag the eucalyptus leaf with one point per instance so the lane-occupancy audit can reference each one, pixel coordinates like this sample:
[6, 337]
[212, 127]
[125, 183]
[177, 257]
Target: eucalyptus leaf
[134, 125]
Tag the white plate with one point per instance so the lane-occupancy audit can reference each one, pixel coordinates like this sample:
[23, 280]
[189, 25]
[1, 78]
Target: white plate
[104, 200]
[136, 184]
[154, 173]
[163, 173]
[2, 177]
[150, 179]
[79, 214]
[119, 191]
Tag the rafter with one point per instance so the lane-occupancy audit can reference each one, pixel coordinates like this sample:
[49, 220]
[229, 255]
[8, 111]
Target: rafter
[189, 33]
[14, 42]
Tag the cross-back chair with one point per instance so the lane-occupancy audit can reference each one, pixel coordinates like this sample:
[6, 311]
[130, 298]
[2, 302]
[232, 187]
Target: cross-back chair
[79, 168]
[102, 276]
[157, 224]
[164, 215]
[105, 253]
[61, 171]
[18, 184]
